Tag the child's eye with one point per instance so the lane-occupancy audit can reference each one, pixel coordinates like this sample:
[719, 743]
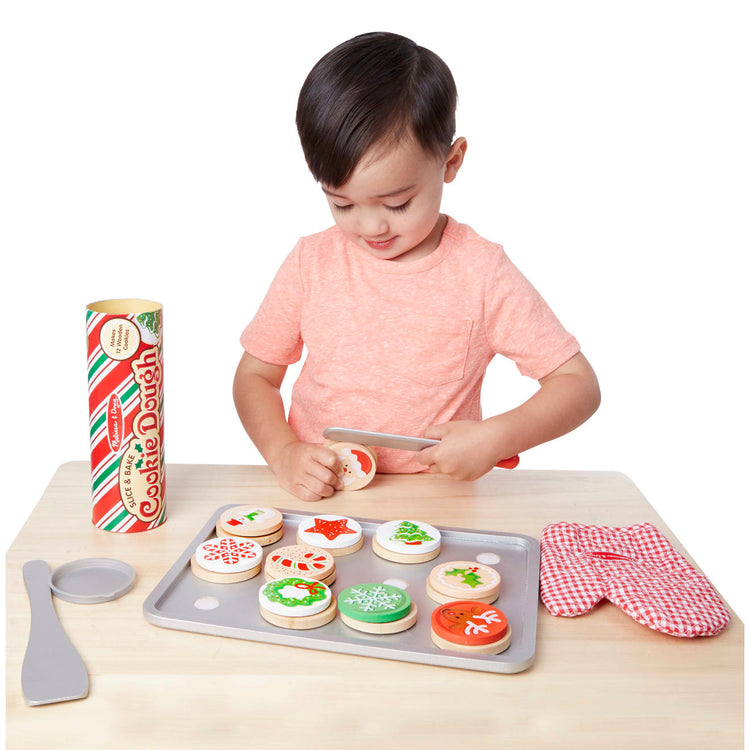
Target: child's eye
[341, 208]
[399, 209]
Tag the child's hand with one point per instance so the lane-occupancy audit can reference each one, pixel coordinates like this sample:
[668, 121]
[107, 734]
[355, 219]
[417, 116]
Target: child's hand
[467, 449]
[307, 470]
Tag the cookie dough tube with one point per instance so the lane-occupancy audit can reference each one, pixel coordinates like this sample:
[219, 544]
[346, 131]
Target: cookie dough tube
[126, 414]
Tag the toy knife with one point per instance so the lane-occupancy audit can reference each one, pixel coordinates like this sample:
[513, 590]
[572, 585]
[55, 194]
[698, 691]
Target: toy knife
[388, 440]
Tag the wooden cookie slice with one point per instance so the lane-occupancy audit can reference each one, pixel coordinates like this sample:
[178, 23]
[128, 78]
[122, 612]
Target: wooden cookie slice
[339, 535]
[300, 560]
[470, 626]
[264, 541]
[461, 579]
[358, 464]
[227, 560]
[377, 608]
[250, 520]
[406, 541]
[297, 603]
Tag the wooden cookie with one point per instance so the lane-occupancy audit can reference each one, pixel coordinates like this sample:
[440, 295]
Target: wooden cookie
[250, 520]
[406, 541]
[470, 626]
[264, 541]
[339, 535]
[300, 560]
[377, 608]
[358, 464]
[460, 579]
[296, 602]
[227, 560]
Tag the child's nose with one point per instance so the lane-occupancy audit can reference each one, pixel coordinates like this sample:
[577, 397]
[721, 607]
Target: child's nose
[373, 224]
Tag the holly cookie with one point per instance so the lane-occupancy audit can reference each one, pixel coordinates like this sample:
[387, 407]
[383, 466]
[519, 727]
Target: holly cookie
[227, 560]
[470, 626]
[377, 608]
[357, 462]
[337, 534]
[301, 560]
[463, 580]
[263, 525]
[406, 541]
[296, 602]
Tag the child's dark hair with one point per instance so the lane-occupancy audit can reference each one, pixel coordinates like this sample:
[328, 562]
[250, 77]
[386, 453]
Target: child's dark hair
[370, 87]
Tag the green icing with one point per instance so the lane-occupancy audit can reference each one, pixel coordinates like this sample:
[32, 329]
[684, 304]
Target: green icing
[151, 321]
[410, 533]
[316, 592]
[374, 602]
[469, 578]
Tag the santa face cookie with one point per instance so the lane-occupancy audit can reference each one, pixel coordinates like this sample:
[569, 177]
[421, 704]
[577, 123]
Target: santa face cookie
[358, 464]
[338, 535]
[377, 608]
[264, 525]
[470, 626]
[227, 560]
[296, 602]
[301, 560]
[406, 541]
[463, 580]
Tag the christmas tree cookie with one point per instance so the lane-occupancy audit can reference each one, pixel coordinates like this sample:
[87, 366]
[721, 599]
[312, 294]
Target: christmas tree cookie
[463, 580]
[296, 602]
[263, 525]
[337, 534]
[358, 464]
[470, 627]
[301, 560]
[406, 541]
[377, 608]
[227, 560]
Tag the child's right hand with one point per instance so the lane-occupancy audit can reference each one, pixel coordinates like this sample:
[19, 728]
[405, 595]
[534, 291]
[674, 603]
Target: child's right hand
[308, 470]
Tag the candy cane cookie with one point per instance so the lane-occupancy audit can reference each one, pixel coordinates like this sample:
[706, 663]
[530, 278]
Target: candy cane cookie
[301, 560]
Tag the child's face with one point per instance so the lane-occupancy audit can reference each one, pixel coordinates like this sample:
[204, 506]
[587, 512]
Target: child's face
[390, 206]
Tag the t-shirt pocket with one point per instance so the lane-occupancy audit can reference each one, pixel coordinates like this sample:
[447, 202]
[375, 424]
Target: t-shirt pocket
[426, 349]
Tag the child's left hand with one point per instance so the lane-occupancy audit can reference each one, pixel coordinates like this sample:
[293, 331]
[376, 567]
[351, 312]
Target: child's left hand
[467, 449]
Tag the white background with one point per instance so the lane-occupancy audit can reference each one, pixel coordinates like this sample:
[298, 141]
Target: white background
[149, 150]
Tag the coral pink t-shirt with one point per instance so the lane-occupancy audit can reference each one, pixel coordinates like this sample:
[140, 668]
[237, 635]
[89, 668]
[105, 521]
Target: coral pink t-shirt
[397, 346]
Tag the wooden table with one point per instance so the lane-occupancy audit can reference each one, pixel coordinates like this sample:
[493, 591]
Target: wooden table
[600, 680]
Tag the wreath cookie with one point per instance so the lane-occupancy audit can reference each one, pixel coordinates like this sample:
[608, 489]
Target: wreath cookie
[297, 603]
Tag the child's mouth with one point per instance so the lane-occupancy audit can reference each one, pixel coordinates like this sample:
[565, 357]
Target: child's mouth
[382, 244]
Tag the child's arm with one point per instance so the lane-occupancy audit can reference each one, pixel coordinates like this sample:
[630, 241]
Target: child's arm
[568, 396]
[307, 470]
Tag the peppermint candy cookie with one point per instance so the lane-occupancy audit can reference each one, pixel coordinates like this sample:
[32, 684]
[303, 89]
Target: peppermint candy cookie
[358, 464]
[301, 560]
[296, 602]
[406, 541]
[377, 608]
[339, 535]
[263, 525]
[463, 580]
[227, 560]
[470, 626]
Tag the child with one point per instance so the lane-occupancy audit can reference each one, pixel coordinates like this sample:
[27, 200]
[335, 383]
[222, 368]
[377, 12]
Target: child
[401, 308]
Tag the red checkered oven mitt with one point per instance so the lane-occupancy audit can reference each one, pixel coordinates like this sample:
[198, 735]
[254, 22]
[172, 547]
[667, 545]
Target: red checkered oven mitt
[636, 568]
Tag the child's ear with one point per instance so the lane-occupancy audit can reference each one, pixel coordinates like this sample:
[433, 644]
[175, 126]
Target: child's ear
[455, 159]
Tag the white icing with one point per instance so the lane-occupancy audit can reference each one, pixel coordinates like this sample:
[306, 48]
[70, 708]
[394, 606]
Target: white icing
[229, 554]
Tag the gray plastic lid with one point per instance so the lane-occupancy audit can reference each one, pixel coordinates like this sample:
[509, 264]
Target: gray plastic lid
[92, 580]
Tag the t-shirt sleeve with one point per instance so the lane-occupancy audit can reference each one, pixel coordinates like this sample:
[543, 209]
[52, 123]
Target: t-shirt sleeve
[520, 325]
[274, 334]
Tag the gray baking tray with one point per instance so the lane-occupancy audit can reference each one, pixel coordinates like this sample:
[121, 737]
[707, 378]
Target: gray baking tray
[180, 598]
